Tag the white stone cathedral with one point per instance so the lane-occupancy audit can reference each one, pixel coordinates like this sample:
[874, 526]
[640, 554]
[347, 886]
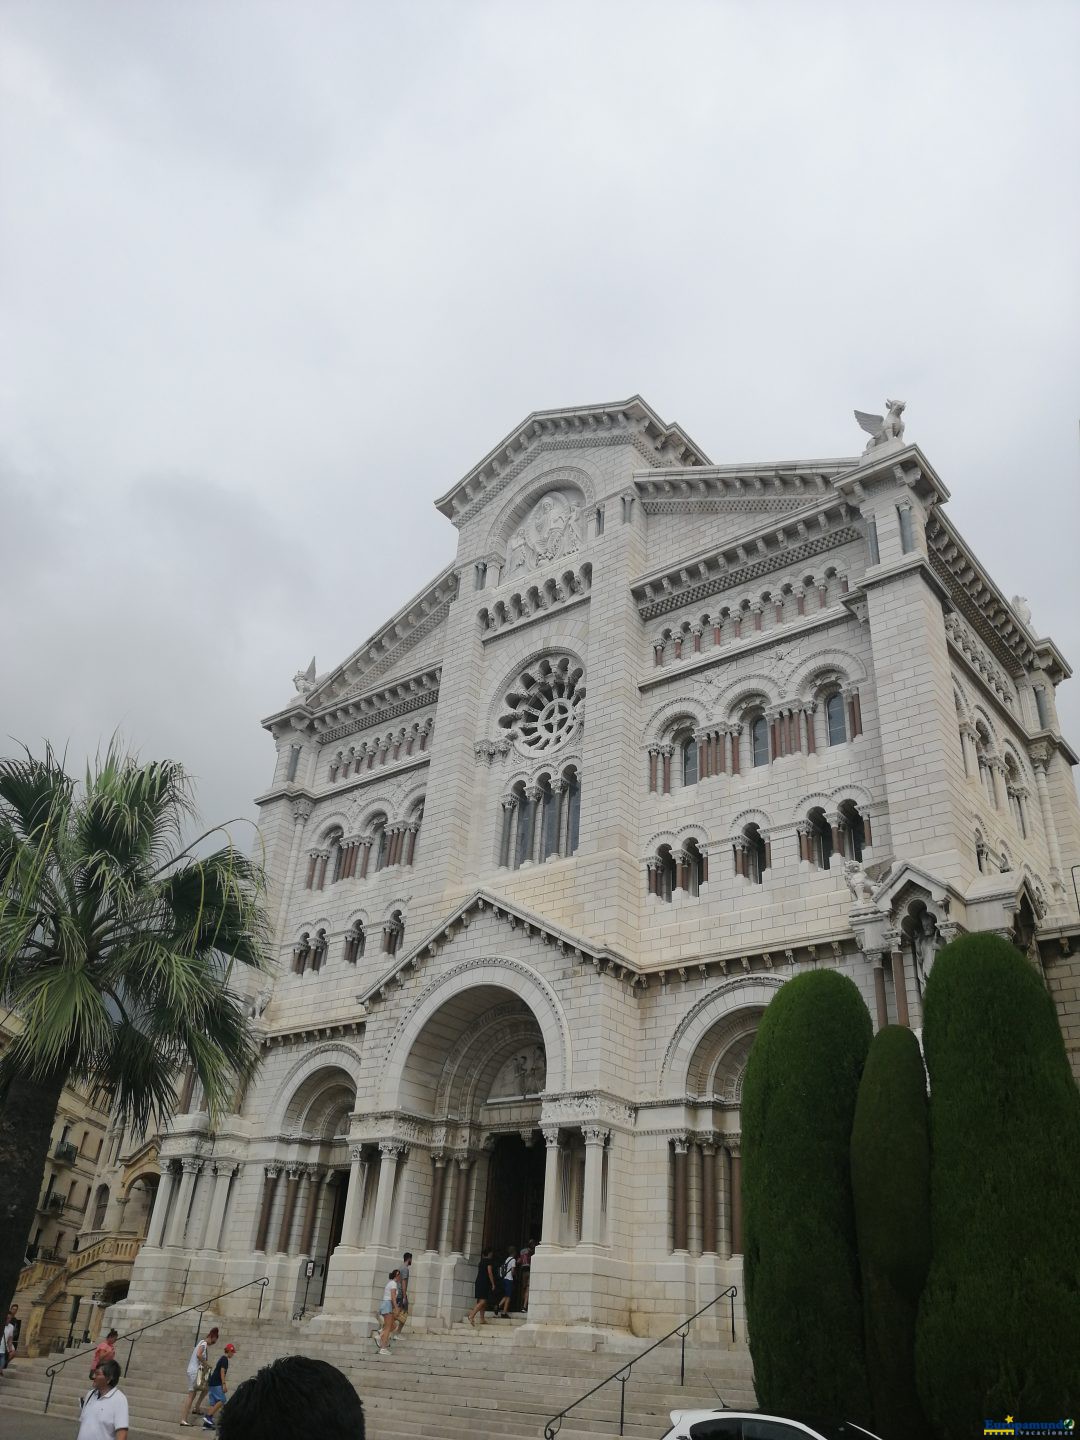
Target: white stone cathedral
[542, 849]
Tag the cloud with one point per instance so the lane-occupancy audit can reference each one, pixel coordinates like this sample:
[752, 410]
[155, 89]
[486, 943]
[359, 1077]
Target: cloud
[274, 277]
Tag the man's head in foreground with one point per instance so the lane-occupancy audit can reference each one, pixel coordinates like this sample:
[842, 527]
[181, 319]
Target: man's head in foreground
[300, 1397]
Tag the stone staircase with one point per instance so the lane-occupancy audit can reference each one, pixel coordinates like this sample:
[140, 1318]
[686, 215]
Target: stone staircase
[498, 1379]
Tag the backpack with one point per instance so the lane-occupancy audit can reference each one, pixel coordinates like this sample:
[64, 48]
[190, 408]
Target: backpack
[507, 1269]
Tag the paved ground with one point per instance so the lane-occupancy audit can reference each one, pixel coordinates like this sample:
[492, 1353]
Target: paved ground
[18, 1425]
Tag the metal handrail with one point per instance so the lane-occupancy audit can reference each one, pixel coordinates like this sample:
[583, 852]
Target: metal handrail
[554, 1425]
[133, 1335]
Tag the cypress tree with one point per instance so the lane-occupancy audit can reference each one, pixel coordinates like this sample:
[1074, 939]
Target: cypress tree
[803, 1308]
[999, 1320]
[890, 1178]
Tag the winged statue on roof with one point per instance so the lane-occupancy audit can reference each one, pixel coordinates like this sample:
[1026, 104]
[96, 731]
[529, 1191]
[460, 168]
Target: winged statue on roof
[883, 428]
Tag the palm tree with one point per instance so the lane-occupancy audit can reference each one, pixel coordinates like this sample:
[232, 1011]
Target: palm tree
[117, 943]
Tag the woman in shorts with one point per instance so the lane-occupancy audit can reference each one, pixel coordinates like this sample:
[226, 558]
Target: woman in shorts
[387, 1311]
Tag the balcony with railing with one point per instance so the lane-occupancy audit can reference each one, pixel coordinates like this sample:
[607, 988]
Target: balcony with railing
[53, 1203]
[65, 1151]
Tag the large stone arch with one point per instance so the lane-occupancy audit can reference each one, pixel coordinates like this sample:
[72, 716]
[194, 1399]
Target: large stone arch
[685, 1057]
[425, 1042]
[334, 1064]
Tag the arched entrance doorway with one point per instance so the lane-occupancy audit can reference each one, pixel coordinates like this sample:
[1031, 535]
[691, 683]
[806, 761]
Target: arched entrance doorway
[473, 1068]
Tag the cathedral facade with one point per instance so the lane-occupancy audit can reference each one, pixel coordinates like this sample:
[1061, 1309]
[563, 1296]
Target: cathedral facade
[662, 735]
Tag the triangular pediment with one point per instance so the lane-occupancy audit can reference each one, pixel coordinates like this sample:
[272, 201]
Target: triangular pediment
[634, 421]
[516, 918]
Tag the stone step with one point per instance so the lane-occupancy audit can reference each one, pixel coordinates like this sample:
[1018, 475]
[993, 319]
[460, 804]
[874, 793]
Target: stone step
[445, 1385]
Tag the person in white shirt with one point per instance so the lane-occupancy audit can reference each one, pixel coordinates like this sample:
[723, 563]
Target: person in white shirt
[105, 1408]
[387, 1310]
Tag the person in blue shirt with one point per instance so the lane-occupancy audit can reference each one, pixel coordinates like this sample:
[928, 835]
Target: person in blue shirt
[218, 1389]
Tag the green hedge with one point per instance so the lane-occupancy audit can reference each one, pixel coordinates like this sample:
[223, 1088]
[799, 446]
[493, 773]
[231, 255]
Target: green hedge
[999, 1324]
[890, 1179]
[804, 1313]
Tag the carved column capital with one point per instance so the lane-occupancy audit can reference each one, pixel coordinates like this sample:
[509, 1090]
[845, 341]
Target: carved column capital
[595, 1134]
[392, 1149]
[551, 1135]
[681, 1143]
[301, 810]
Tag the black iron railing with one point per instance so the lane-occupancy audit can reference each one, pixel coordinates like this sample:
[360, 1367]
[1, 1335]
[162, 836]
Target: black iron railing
[133, 1335]
[622, 1375]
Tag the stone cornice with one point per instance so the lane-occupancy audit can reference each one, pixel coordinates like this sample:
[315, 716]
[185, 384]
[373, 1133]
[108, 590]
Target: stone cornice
[301, 1034]
[821, 526]
[710, 489]
[361, 711]
[628, 422]
[982, 604]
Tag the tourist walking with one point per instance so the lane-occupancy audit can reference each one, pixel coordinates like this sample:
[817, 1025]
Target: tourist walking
[525, 1270]
[506, 1276]
[8, 1343]
[403, 1292]
[388, 1312]
[106, 1350]
[198, 1375]
[104, 1408]
[299, 1398]
[217, 1391]
[483, 1288]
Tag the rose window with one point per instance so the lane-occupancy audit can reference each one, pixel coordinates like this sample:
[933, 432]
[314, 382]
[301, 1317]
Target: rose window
[544, 707]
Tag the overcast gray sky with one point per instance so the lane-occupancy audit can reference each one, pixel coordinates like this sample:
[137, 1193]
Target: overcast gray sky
[273, 276]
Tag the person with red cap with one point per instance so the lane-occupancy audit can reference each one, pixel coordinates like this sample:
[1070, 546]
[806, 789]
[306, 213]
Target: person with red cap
[218, 1389]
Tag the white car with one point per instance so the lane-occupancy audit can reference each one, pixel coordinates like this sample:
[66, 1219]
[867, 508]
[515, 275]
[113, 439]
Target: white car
[753, 1425]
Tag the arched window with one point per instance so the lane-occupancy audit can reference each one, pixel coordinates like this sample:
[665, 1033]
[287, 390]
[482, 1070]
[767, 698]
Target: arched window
[101, 1204]
[337, 856]
[834, 718]
[821, 838]
[694, 867]
[752, 854]
[524, 814]
[318, 950]
[355, 941]
[393, 933]
[853, 830]
[688, 749]
[301, 953]
[759, 740]
[983, 749]
[665, 872]
[379, 845]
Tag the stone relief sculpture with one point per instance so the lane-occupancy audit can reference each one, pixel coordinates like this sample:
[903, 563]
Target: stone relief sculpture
[926, 942]
[883, 428]
[523, 1074]
[1022, 608]
[552, 529]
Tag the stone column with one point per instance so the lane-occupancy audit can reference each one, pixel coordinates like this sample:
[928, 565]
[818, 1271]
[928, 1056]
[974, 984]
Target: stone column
[438, 1185]
[365, 854]
[224, 1170]
[734, 1149]
[314, 1180]
[1040, 759]
[879, 994]
[508, 807]
[270, 1180]
[292, 1186]
[679, 1216]
[528, 818]
[550, 1227]
[666, 752]
[354, 1199]
[836, 822]
[156, 1229]
[461, 1202]
[592, 1217]
[708, 1197]
[391, 1152]
[734, 751]
[899, 980]
[410, 849]
[178, 1222]
[654, 756]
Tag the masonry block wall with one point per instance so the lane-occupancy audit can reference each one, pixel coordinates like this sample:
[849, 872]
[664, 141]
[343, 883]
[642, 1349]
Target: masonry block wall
[543, 848]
